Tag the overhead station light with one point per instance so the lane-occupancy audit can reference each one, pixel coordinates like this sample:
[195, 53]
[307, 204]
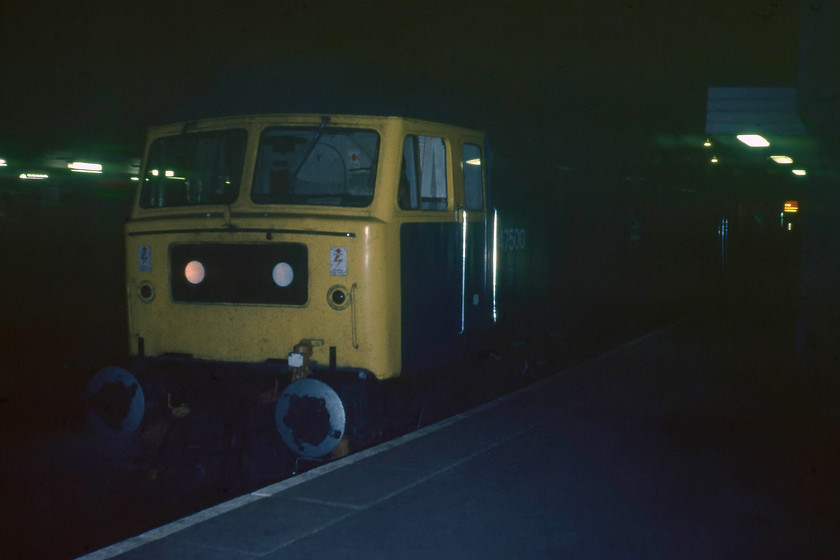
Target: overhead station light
[753, 140]
[798, 171]
[84, 167]
[35, 176]
[781, 159]
[3, 163]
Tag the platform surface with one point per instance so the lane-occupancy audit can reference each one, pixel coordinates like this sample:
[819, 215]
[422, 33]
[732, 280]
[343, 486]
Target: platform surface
[697, 441]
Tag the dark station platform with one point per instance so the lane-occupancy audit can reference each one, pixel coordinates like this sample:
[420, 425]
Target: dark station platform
[713, 437]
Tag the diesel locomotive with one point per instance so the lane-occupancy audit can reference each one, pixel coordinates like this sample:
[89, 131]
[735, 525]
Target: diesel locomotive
[310, 271]
[310, 259]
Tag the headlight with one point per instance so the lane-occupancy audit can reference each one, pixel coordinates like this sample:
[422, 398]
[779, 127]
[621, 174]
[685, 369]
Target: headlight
[283, 274]
[194, 272]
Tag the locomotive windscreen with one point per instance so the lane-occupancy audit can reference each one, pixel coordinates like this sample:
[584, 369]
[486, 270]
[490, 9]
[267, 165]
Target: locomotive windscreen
[194, 169]
[330, 167]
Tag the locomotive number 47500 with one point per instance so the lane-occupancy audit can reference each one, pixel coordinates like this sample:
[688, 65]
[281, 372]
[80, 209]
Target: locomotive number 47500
[513, 239]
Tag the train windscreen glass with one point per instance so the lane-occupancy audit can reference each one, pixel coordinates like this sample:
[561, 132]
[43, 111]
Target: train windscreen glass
[317, 165]
[194, 169]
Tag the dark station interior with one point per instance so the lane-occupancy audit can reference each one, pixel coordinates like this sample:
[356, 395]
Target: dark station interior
[717, 414]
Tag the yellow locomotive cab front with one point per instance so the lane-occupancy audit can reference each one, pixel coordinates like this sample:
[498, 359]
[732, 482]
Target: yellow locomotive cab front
[244, 276]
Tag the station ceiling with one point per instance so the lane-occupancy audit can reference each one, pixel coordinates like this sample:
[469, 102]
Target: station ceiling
[586, 69]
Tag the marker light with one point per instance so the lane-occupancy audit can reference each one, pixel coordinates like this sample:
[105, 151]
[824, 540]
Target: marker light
[283, 274]
[753, 140]
[781, 159]
[194, 272]
[338, 298]
[146, 291]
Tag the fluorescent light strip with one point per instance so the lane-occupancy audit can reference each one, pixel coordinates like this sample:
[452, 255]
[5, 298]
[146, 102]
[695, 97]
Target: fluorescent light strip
[753, 140]
[85, 167]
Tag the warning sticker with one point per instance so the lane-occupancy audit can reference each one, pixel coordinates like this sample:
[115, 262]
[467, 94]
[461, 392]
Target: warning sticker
[338, 261]
[144, 258]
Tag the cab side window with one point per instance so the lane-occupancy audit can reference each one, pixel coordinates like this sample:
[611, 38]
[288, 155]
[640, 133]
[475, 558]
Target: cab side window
[423, 182]
[472, 164]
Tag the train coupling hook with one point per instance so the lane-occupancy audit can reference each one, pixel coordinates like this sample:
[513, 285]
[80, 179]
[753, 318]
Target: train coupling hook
[300, 358]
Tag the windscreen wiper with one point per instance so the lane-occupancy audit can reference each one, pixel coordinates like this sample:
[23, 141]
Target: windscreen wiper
[318, 133]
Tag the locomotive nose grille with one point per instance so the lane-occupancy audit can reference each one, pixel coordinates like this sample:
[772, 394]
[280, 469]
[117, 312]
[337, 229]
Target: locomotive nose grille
[239, 273]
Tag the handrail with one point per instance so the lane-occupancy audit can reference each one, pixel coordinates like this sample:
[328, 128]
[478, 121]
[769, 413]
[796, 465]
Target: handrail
[495, 260]
[463, 212]
[355, 339]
